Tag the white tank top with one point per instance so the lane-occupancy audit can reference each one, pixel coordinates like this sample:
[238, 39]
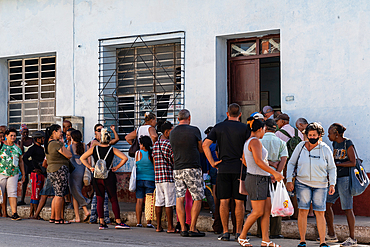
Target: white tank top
[252, 167]
[143, 131]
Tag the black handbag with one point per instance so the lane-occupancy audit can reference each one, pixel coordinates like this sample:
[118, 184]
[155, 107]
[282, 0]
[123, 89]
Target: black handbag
[134, 147]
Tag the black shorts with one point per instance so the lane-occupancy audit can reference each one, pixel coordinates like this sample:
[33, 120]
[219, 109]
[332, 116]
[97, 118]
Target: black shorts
[257, 186]
[227, 186]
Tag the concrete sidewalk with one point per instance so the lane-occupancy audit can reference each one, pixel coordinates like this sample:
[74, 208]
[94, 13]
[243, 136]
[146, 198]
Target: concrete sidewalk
[289, 227]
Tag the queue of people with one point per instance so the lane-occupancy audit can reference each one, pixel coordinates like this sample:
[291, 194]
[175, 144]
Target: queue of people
[264, 150]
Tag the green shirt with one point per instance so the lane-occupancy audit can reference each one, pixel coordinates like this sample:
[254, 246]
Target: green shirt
[9, 160]
[55, 159]
[276, 148]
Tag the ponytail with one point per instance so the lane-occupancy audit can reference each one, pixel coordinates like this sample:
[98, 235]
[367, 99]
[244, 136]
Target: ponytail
[255, 124]
[148, 144]
[48, 133]
[77, 137]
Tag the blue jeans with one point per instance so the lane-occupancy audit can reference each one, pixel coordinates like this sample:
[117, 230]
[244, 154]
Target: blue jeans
[343, 192]
[144, 187]
[94, 212]
[307, 194]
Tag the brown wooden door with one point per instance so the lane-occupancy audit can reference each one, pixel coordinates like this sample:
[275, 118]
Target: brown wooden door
[244, 86]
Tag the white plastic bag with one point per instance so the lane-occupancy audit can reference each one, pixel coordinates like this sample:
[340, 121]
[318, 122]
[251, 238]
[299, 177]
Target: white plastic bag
[87, 177]
[280, 202]
[132, 186]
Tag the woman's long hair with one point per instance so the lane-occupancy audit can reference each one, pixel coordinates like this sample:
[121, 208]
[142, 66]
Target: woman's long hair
[77, 137]
[48, 133]
[148, 144]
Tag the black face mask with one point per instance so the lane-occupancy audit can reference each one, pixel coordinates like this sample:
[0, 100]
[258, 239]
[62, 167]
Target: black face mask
[313, 140]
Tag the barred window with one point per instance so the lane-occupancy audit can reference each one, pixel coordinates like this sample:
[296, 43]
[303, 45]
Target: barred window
[147, 77]
[31, 98]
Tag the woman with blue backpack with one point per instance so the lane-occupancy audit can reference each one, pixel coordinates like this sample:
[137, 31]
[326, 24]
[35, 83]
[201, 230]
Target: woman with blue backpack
[104, 178]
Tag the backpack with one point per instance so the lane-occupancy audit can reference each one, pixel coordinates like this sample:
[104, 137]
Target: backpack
[101, 171]
[293, 141]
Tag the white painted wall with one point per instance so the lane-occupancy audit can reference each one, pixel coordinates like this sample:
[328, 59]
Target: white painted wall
[324, 51]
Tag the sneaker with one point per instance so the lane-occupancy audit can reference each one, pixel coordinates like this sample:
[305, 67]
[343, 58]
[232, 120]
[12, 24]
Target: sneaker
[349, 242]
[103, 227]
[329, 239]
[139, 225]
[149, 226]
[15, 216]
[122, 226]
[224, 236]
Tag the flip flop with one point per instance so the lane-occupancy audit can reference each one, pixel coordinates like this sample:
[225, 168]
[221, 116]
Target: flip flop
[159, 230]
[171, 232]
[75, 221]
[86, 218]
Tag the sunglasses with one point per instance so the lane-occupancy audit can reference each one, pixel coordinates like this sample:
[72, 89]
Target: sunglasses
[98, 130]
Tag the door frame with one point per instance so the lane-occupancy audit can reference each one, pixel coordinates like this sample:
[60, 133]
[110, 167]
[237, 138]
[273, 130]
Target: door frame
[254, 57]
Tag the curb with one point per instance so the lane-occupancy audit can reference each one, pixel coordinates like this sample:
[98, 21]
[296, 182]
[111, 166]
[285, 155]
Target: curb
[288, 228]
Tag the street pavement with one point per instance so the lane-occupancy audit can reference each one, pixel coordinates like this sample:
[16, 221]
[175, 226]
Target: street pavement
[41, 233]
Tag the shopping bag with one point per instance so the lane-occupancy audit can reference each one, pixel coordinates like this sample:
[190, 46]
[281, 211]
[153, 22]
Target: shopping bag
[1, 197]
[149, 206]
[132, 186]
[87, 177]
[281, 204]
[358, 179]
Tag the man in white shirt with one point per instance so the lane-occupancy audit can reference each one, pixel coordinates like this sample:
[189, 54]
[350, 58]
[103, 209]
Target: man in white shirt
[283, 123]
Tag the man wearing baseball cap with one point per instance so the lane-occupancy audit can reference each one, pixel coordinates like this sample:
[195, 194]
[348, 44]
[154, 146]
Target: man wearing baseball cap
[283, 123]
[268, 112]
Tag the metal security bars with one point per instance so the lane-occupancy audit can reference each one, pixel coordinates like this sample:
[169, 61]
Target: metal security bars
[31, 98]
[139, 74]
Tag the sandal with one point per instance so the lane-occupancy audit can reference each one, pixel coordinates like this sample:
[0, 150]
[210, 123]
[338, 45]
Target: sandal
[52, 221]
[62, 221]
[302, 244]
[86, 218]
[269, 243]
[75, 221]
[244, 242]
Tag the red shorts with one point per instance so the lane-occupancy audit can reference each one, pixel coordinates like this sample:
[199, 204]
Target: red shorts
[37, 182]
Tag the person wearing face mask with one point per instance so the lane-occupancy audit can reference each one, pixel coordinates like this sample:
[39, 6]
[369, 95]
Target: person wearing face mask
[311, 163]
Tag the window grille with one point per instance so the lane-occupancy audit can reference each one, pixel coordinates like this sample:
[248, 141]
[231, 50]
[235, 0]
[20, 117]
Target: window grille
[31, 98]
[140, 74]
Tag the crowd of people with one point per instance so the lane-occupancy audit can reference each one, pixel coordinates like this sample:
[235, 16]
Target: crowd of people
[175, 167]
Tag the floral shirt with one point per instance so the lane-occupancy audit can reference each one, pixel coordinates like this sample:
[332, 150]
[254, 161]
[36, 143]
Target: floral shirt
[9, 160]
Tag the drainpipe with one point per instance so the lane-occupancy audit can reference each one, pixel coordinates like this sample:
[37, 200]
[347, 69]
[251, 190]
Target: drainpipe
[73, 63]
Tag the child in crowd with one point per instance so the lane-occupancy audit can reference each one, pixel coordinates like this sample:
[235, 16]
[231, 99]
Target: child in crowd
[37, 155]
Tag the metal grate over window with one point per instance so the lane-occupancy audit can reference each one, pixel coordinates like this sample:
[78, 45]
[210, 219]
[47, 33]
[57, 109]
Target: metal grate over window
[140, 74]
[31, 98]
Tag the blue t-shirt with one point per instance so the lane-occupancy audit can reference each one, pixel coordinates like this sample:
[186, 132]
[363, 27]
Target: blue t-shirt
[144, 168]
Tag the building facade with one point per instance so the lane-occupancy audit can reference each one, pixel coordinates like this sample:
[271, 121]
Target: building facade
[111, 61]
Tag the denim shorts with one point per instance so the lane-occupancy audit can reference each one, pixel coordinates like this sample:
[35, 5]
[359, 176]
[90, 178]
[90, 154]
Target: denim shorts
[306, 195]
[343, 192]
[144, 187]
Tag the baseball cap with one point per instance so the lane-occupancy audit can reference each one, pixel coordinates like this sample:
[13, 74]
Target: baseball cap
[282, 116]
[38, 134]
[271, 123]
[267, 109]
